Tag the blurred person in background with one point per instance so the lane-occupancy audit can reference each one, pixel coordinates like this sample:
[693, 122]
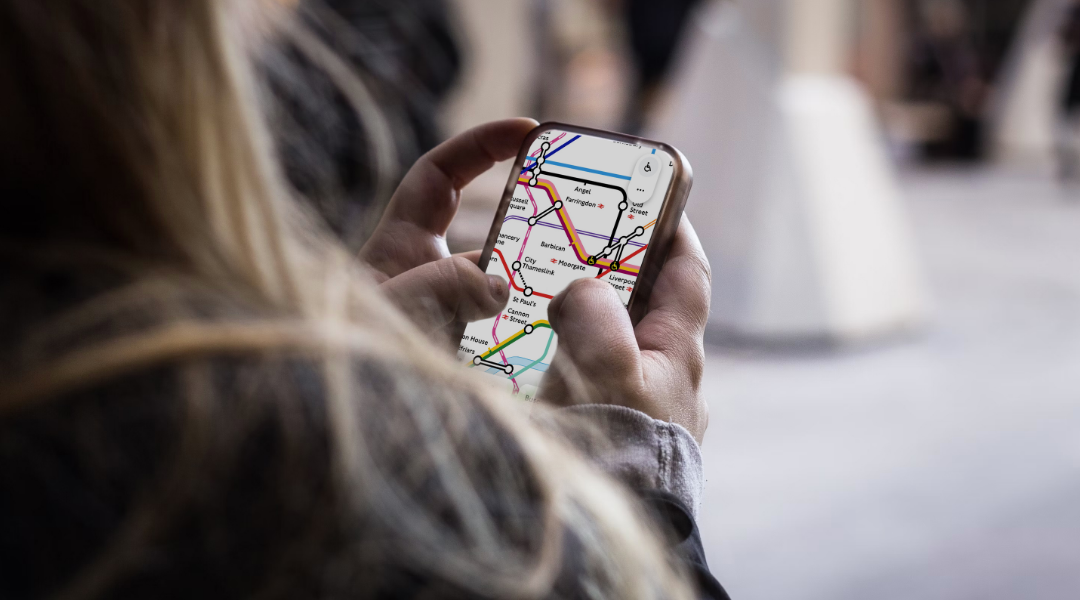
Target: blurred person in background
[947, 68]
[606, 62]
[655, 30]
[203, 393]
[1068, 130]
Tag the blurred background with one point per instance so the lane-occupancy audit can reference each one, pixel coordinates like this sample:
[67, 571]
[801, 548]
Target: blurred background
[889, 194]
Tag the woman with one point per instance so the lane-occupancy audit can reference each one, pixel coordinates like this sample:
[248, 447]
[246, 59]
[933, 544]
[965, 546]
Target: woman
[204, 396]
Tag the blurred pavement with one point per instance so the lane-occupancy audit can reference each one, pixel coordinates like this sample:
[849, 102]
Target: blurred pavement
[943, 466]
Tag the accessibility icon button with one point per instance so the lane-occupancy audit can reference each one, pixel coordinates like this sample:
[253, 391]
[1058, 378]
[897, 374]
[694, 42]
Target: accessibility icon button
[643, 181]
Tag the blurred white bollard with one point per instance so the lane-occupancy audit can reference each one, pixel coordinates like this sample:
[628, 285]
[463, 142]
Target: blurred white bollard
[500, 66]
[794, 197]
[1023, 112]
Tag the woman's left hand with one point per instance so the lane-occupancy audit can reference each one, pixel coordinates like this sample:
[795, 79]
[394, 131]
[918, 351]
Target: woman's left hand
[408, 249]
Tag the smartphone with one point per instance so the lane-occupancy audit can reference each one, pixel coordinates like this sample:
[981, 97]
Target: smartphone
[579, 203]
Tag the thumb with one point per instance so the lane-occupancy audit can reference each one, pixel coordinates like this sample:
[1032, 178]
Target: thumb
[595, 332]
[446, 291]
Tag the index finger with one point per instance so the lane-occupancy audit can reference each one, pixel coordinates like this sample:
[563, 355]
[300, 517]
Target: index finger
[428, 195]
[679, 305]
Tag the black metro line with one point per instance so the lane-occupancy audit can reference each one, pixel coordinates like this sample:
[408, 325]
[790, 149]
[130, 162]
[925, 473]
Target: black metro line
[624, 205]
[508, 369]
[554, 207]
[621, 244]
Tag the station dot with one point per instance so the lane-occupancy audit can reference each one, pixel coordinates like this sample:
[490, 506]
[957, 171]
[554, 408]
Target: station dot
[509, 369]
[640, 231]
[540, 160]
[623, 206]
[528, 329]
[477, 360]
[532, 182]
[558, 205]
[528, 291]
[532, 221]
[545, 146]
[622, 240]
[516, 265]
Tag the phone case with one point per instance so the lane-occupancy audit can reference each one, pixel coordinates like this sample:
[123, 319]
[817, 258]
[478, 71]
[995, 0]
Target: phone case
[666, 224]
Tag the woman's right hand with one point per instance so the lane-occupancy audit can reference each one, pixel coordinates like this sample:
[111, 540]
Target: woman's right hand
[655, 367]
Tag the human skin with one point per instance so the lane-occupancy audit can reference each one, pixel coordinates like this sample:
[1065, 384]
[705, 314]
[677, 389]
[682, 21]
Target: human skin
[655, 367]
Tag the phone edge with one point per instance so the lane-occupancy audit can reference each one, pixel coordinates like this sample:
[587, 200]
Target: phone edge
[667, 223]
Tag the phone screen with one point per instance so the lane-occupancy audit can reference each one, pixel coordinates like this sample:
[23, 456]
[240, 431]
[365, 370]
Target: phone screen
[583, 206]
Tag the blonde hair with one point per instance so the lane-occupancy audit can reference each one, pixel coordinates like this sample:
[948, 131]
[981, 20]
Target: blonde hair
[146, 110]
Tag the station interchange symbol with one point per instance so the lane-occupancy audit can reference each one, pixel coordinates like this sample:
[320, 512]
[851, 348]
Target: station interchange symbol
[570, 218]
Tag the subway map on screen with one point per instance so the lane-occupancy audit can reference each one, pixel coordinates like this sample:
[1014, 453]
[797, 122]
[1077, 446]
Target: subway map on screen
[583, 206]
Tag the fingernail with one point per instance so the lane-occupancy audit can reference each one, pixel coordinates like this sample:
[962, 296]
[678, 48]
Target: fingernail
[499, 288]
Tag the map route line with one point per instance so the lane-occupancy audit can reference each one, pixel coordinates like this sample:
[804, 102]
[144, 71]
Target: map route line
[571, 231]
[507, 368]
[620, 247]
[586, 169]
[572, 140]
[496, 338]
[589, 186]
[536, 218]
[527, 330]
[623, 206]
[543, 149]
[632, 255]
[526, 290]
[528, 232]
[495, 326]
[591, 234]
[547, 348]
